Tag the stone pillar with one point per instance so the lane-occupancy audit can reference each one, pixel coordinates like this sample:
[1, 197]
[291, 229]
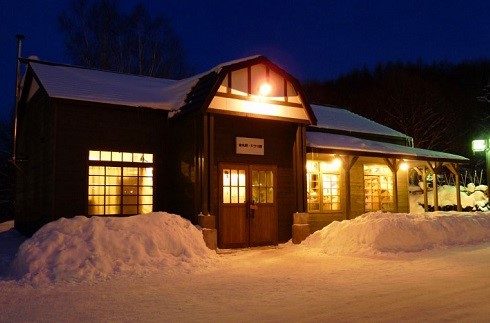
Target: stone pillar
[301, 227]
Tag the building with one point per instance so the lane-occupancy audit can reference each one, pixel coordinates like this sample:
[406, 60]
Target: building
[240, 142]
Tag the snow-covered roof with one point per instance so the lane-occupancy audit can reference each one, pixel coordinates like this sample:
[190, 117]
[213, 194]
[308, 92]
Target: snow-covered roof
[84, 84]
[335, 118]
[321, 140]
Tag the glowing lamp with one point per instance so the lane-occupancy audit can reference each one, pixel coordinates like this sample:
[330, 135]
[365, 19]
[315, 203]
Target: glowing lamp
[403, 166]
[265, 89]
[478, 145]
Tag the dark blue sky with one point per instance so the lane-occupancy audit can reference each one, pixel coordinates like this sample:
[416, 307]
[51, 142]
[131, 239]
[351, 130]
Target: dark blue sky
[310, 39]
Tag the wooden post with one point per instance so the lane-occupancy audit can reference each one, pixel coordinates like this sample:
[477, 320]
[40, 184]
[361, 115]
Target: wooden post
[434, 184]
[424, 178]
[454, 169]
[393, 165]
[347, 163]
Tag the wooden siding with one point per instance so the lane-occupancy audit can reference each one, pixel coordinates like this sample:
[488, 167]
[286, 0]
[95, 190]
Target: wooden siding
[35, 165]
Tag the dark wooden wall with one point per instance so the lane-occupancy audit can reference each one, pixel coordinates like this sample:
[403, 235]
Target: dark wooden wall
[74, 129]
[34, 165]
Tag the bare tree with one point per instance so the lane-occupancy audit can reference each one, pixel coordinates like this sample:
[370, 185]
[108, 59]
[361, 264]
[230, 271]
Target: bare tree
[97, 34]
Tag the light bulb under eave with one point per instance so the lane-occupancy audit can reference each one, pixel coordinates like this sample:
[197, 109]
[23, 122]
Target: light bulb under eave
[404, 166]
[265, 89]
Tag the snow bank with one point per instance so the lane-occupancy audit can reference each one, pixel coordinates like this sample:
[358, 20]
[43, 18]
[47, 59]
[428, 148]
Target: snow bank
[377, 232]
[81, 248]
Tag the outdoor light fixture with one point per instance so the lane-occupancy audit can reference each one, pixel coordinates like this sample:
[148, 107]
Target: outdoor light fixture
[479, 145]
[404, 166]
[265, 89]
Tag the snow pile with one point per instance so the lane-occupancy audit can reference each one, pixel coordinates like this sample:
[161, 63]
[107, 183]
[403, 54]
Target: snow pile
[83, 249]
[473, 198]
[378, 232]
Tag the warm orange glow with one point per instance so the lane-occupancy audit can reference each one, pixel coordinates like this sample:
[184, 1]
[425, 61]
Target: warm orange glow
[403, 166]
[265, 89]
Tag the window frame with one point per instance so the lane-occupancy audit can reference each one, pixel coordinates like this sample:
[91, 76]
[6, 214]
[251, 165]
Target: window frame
[124, 204]
[320, 180]
[384, 185]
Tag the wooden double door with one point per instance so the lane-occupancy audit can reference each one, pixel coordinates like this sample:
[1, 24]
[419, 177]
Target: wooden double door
[248, 210]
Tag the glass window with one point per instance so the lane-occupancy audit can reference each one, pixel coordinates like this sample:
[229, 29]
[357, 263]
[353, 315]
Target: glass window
[234, 184]
[323, 186]
[378, 188]
[262, 186]
[117, 185]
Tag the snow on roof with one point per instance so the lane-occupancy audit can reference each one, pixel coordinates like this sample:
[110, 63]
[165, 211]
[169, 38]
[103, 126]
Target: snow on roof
[329, 117]
[84, 84]
[347, 143]
[70, 82]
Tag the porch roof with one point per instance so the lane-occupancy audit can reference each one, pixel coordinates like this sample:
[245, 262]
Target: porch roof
[342, 144]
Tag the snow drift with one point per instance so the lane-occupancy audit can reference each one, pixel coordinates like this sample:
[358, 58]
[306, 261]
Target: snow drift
[82, 249]
[377, 232]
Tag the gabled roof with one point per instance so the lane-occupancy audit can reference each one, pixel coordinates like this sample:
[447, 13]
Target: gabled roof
[338, 120]
[177, 96]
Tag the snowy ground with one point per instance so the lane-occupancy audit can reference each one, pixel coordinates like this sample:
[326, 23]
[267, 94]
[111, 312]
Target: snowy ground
[154, 267]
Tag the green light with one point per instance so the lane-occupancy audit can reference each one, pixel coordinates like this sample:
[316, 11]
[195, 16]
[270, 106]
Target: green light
[478, 145]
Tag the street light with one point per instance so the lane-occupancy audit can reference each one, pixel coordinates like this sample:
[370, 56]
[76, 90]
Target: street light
[483, 145]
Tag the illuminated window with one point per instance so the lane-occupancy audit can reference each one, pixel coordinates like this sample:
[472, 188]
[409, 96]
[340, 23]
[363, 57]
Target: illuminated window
[234, 186]
[323, 186]
[120, 183]
[262, 186]
[378, 188]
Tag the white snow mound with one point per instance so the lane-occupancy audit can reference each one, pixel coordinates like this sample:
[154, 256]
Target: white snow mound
[84, 249]
[377, 232]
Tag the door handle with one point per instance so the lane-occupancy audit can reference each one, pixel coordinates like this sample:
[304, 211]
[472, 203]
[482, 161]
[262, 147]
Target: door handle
[253, 207]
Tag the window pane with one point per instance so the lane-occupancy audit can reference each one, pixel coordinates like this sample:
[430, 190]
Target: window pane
[96, 170]
[262, 181]
[148, 158]
[114, 171]
[96, 180]
[112, 180]
[96, 200]
[113, 199]
[146, 199]
[127, 157]
[130, 171]
[241, 178]
[116, 156]
[145, 209]
[242, 194]
[146, 171]
[112, 209]
[234, 194]
[146, 181]
[94, 155]
[226, 177]
[270, 195]
[146, 190]
[130, 199]
[130, 190]
[113, 190]
[234, 177]
[255, 194]
[105, 155]
[270, 179]
[96, 190]
[95, 210]
[226, 195]
[130, 181]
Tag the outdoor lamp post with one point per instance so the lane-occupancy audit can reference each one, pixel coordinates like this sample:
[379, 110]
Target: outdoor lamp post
[483, 145]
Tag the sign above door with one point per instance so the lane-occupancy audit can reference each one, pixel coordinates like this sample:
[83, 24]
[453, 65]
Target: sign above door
[249, 146]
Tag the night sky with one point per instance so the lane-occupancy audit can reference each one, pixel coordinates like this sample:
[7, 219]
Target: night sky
[310, 39]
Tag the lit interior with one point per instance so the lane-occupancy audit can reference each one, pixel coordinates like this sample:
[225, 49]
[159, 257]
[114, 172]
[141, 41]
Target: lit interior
[234, 186]
[378, 188]
[323, 185]
[119, 184]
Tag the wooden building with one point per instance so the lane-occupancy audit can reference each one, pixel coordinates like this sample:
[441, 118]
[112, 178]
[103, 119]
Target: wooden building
[239, 142]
